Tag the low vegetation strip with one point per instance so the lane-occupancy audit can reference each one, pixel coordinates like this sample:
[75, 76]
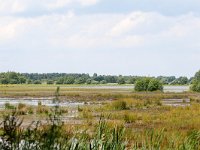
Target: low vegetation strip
[64, 78]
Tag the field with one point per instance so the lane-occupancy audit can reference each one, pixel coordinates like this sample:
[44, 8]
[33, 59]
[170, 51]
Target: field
[115, 117]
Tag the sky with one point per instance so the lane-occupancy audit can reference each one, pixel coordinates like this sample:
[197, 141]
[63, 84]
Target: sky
[129, 37]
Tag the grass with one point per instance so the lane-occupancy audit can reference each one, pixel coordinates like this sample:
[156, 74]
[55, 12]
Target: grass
[128, 120]
[54, 135]
[79, 92]
[118, 105]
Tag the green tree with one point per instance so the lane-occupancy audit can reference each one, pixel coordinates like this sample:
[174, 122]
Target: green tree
[60, 81]
[13, 81]
[197, 76]
[180, 81]
[4, 81]
[22, 79]
[80, 80]
[69, 80]
[37, 82]
[196, 82]
[121, 80]
[131, 80]
[12, 78]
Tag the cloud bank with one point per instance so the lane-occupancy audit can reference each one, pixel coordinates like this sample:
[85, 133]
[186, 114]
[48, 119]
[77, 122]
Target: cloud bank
[135, 42]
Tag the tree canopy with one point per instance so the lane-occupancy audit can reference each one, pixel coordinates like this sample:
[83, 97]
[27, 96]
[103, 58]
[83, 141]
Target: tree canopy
[75, 78]
[12, 78]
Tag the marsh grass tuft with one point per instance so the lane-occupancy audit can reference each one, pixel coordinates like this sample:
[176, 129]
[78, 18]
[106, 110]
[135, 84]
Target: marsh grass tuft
[119, 105]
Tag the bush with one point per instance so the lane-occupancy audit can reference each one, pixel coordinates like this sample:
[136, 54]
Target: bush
[103, 82]
[89, 81]
[50, 82]
[29, 81]
[94, 82]
[196, 83]
[37, 82]
[148, 84]
[142, 84]
[155, 85]
[195, 86]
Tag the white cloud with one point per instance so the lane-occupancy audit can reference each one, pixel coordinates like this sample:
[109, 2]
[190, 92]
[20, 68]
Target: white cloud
[10, 28]
[124, 36]
[12, 6]
[8, 7]
[55, 4]
[131, 21]
[100, 30]
[88, 2]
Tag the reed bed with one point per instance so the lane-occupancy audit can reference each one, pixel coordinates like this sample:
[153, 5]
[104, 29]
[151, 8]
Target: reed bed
[55, 135]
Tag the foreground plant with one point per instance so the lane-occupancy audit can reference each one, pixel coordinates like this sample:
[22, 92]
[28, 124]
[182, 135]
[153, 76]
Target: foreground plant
[53, 135]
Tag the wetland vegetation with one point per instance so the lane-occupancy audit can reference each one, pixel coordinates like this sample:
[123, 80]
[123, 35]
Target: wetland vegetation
[102, 117]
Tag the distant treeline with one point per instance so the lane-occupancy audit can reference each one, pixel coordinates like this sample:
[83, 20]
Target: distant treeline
[64, 78]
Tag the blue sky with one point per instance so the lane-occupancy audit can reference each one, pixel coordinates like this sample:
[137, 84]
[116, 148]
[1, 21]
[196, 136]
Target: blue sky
[129, 37]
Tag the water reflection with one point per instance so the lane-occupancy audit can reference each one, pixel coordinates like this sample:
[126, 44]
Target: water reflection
[35, 102]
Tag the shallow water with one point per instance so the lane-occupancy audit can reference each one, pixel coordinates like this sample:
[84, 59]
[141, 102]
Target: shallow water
[176, 89]
[35, 102]
[176, 102]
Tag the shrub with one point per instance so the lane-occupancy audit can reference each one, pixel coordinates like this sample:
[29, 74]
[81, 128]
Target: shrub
[9, 106]
[148, 84]
[50, 82]
[196, 82]
[30, 110]
[89, 81]
[103, 82]
[155, 85]
[195, 86]
[142, 84]
[94, 82]
[37, 82]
